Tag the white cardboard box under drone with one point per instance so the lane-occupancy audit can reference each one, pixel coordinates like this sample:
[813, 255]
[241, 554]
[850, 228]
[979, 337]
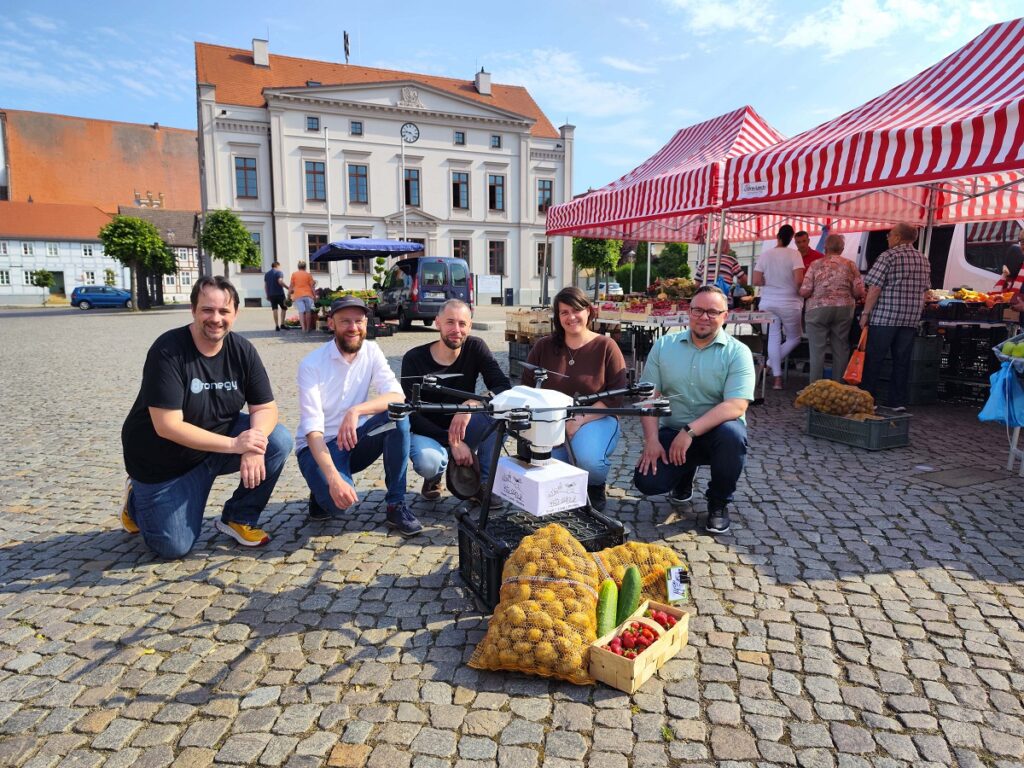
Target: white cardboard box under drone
[543, 489]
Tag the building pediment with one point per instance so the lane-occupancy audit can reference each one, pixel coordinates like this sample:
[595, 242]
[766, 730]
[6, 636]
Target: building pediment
[405, 96]
[413, 217]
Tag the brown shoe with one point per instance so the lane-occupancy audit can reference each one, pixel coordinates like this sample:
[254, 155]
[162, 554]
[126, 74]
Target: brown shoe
[431, 489]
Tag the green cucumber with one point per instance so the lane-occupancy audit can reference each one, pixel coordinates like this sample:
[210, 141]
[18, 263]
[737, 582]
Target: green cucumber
[607, 607]
[629, 594]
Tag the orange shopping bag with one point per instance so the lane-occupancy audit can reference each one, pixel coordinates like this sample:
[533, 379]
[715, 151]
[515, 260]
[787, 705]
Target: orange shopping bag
[855, 369]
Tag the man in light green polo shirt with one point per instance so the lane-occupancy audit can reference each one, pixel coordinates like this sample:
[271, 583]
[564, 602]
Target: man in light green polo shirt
[708, 377]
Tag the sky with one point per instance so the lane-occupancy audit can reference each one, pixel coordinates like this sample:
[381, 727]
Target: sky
[627, 75]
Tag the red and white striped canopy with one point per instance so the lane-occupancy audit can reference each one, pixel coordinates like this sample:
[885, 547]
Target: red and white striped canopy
[949, 141]
[666, 198]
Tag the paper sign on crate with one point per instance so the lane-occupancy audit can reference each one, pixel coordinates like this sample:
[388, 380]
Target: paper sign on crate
[554, 486]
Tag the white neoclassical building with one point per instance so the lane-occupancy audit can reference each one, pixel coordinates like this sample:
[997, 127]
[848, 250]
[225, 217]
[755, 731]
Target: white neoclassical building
[308, 152]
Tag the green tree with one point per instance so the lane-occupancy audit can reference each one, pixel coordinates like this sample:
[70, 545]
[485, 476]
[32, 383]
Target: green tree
[225, 237]
[602, 256]
[136, 244]
[43, 278]
[672, 261]
[109, 278]
[380, 269]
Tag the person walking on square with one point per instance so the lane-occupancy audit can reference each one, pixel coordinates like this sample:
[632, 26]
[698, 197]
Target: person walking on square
[587, 363]
[337, 417]
[779, 272]
[273, 282]
[897, 283]
[831, 287]
[187, 427]
[708, 377]
[301, 287]
[434, 436]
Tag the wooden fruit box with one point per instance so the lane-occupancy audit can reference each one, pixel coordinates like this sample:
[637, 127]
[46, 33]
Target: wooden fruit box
[627, 675]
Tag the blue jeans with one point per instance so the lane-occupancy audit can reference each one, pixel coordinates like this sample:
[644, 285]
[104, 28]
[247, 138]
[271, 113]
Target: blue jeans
[430, 458]
[593, 446]
[882, 340]
[724, 449]
[393, 445]
[170, 514]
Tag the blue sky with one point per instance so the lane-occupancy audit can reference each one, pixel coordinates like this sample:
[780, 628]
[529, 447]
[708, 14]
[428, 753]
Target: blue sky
[627, 75]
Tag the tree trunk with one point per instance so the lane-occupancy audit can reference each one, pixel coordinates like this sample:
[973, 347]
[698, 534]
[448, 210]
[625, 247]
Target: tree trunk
[226, 262]
[134, 279]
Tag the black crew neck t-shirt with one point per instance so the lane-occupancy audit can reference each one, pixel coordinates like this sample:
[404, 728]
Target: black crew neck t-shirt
[210, 391]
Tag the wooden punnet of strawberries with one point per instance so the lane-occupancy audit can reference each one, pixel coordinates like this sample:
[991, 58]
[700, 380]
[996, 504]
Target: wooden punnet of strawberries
[636, 638]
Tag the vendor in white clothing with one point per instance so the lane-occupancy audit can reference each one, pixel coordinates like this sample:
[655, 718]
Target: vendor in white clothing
[778, 274]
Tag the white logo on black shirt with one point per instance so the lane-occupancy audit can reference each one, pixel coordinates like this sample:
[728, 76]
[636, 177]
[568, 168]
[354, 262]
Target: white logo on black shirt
[198, 386]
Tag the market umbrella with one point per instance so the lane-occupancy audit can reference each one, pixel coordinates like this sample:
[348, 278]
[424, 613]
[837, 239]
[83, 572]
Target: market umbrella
[363, 248]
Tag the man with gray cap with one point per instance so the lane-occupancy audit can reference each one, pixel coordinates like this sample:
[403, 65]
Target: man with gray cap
[337, 416]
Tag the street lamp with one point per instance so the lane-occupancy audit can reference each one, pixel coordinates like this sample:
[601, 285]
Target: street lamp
[632, 265]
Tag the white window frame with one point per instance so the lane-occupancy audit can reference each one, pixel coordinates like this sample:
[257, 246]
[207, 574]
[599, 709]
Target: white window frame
[53, 250]
[348, 182]
[550, 258]
[90, 277]
[5, 277]
[169, 281]
[186, 279]
[87, 249]
[27, 249]
[27, 276]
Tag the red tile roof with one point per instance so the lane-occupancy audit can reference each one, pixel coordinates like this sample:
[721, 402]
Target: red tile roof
[51, 221]
[76, 160]
[238, 81]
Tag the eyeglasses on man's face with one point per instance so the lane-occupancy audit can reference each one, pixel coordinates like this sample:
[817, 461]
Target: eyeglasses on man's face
[711, 313]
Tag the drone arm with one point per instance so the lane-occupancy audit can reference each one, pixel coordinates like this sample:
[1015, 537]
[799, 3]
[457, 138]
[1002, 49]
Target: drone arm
[649, 410]
[640, 389]
[462, 395]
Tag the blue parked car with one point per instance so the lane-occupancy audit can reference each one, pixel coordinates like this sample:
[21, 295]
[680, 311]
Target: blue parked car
[89, 296]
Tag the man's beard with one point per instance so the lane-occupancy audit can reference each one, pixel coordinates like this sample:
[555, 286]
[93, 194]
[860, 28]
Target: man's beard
[453, 345]
[348, 346]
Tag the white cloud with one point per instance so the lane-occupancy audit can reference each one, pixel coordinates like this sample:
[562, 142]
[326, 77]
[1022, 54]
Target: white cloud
[560, 84]
[42, 22]
[627, 66]
[708, 16]
[640, 24]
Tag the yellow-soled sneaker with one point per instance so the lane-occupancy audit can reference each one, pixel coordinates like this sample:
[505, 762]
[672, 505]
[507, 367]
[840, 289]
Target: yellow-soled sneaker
[127, 523]
[244, 534]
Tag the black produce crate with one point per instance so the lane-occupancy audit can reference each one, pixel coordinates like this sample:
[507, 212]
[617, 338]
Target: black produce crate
[963, 392]
[518, 350]
[935, 311]
[980, 313]
[482, 553]
[920, 370]
[918, 393]
[515, 369]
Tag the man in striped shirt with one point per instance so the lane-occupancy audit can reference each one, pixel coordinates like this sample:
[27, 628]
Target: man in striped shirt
[729, 269]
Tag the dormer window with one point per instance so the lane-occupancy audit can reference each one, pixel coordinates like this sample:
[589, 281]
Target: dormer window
[312, 83]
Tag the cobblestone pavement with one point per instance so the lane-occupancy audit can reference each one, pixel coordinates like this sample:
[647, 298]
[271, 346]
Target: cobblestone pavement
[857, 615]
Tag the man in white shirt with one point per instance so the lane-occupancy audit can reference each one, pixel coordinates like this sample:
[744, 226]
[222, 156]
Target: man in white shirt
[337, 415]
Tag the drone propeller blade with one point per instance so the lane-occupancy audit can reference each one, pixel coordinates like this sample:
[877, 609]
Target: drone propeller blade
[382, 429]
[433, 376]
[533, 367]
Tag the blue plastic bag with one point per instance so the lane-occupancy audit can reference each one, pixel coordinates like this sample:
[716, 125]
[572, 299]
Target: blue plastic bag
[1006, 398]
[721, 285]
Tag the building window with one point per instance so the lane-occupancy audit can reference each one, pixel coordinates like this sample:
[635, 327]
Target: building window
[87, 249]
[3, 247]
[460, 190]
[186, 279]
[245, 176]
[412, 186]
[90, 277]
[361, 266]
[316, 188]
[314, 242]
[495, 192]
[495, 141]
[27, 276]
[3, 192]
[543, 262]
[5, 277]
[312, 123]
[257, 239]
[460, 138]
[355, 127]
[496, 257]
[545, 194]
[26, 249]
[460, 249]
[358, 186]
[51, 250]
[169, 280]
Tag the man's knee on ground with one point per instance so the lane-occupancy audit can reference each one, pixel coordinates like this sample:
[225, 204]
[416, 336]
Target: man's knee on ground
[171, 549]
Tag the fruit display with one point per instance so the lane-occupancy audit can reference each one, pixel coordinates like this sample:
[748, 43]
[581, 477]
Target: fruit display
[652, 560]
[829, 396]
[1011, 349]
[673, 288]
[633, 640]
[547, 615]
[667, 620]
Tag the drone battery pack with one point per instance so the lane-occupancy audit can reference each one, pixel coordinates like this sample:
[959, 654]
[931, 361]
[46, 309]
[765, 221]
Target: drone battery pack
[541, 489]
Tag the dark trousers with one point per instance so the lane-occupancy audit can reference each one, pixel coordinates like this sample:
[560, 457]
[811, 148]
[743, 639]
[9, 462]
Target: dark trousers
[899, 342]
[724, 449]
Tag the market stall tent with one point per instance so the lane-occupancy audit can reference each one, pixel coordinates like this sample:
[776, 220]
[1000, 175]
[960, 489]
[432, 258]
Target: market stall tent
[946, 146]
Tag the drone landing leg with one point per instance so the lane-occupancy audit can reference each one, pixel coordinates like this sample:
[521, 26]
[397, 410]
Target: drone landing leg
[485, 500]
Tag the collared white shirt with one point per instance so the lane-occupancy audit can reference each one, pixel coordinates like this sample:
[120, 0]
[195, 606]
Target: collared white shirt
[329, 385]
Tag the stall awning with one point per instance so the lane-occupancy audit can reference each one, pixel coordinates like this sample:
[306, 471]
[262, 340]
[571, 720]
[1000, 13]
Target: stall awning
[946, 145]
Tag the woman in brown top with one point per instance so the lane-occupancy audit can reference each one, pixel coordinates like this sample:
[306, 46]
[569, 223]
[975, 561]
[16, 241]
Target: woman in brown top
[590, 363]
[831, 286]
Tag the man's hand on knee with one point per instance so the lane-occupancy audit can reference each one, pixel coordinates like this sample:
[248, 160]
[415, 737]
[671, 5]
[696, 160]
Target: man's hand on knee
[652, 454]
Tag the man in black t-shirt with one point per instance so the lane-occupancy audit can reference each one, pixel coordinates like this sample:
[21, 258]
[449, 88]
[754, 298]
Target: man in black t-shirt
[435, 435]
[274, 285]
[187, 427]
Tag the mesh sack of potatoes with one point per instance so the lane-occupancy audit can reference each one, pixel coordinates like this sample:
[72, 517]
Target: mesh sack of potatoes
[837, 399]
[652, 560]
[546, 616]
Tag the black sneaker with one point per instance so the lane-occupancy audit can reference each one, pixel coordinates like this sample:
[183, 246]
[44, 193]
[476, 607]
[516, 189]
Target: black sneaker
[718, 520]
[431, 488]
[598, 496]
[316, 512]
[682, 493]
[402, 520]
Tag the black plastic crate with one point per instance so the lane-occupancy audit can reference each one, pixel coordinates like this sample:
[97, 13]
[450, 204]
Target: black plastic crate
[980, 313]
[918, 393]
[935, 311]
[515, 369]
[482, 553]
[518, 350]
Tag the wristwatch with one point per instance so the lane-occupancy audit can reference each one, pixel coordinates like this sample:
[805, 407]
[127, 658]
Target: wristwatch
[689, 430]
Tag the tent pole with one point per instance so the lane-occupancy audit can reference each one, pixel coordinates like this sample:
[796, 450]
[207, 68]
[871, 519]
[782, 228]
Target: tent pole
[929, 224]
[649, 281]
[721, 240]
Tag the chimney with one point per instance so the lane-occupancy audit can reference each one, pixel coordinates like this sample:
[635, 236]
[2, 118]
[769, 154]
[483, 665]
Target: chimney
[483, 82]
[260, 56]
[161, 198]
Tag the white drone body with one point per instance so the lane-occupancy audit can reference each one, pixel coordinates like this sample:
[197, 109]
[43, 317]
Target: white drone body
[547, 429]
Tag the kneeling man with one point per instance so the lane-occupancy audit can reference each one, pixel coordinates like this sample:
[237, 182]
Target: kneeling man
[187, 427]
[434, 435]
[708, 377]
[337, 416]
